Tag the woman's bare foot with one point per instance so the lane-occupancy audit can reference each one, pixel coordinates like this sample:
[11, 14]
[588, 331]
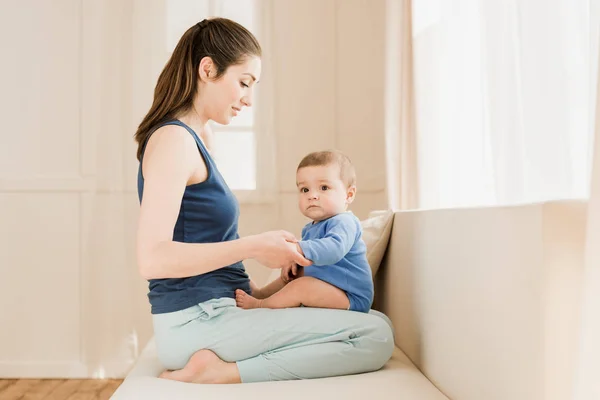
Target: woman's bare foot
[205, 367]
[245, 301]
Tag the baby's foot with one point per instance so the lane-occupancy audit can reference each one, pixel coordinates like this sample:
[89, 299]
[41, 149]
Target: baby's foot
[245, 301]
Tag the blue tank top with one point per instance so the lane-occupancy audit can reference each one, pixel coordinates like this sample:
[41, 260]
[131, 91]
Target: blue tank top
[208, 214]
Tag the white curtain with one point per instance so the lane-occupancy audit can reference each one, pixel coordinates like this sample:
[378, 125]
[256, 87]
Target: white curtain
[507, 111]
[587, 376]
[504, 92]
[587, 383]
[402, 184]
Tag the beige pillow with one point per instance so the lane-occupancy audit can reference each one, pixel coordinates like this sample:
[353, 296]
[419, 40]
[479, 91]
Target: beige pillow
[376, 235]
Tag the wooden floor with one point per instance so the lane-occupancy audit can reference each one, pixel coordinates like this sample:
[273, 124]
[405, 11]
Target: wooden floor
[58, 389]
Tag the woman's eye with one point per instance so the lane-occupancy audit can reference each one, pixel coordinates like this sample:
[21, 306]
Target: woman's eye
[243, 84]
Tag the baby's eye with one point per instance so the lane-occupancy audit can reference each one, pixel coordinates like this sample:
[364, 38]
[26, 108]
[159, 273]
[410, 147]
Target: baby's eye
[324, 187]
[304, 190]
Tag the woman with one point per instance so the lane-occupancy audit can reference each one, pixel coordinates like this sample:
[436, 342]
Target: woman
[189, 249]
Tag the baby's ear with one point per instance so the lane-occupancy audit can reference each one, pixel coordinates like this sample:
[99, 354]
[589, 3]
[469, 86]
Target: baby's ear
[350, 194]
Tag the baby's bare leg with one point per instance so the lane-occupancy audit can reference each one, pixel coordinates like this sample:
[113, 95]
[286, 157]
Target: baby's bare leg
[255, 290]
[270, 289]
[307, 291]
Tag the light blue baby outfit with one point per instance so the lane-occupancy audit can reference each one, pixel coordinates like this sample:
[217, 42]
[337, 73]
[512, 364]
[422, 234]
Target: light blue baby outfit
[339, 257]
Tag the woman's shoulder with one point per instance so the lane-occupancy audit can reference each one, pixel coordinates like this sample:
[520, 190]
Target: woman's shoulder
[169, 145]
[173, 136]
[172, 141]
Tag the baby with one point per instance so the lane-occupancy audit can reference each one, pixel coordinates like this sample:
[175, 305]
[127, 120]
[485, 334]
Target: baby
[339, 276]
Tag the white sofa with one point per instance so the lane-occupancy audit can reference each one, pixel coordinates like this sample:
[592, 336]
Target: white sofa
[484, 303]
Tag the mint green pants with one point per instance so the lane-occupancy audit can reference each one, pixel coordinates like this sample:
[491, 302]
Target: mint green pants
[270, 345]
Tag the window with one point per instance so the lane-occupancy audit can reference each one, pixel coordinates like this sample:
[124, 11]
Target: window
[236, 149]
[502, 117]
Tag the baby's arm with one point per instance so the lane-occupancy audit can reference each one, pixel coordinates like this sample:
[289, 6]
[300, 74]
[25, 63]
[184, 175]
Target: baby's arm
[334, 245]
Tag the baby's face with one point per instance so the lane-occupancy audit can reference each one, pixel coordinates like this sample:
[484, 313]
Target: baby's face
[322, 194]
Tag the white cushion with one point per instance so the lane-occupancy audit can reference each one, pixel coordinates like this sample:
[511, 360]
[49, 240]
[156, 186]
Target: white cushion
[376, 235]
[399, 379]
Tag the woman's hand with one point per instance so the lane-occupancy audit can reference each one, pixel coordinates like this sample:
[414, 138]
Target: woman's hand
[277, 249]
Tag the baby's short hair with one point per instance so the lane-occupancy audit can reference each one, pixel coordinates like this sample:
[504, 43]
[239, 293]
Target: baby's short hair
[328, 157]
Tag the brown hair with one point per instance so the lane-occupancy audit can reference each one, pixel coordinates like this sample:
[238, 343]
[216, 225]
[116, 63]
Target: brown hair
[226, 42]
[328, 157]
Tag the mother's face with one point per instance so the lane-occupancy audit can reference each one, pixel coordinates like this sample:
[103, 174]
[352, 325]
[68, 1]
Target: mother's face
[224, 98]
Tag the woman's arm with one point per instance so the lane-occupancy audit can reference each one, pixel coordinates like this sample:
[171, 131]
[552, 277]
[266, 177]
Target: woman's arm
[170, 159]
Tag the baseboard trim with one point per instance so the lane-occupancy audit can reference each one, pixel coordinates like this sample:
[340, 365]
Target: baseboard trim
[62, 370]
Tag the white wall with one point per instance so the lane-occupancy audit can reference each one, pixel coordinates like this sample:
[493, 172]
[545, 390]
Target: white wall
[76, 80]
[328, 61]
[72, 298]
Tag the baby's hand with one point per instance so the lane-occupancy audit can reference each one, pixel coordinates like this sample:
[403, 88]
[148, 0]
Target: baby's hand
[291, 272]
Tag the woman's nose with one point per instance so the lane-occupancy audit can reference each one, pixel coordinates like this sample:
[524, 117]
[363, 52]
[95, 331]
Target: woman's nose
[247, 101]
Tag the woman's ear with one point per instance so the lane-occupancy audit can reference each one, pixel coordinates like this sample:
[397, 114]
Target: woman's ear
[206, 69]
[350, 194]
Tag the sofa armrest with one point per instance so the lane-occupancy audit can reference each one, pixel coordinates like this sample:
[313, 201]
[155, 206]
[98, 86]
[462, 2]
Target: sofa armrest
[485, 301]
